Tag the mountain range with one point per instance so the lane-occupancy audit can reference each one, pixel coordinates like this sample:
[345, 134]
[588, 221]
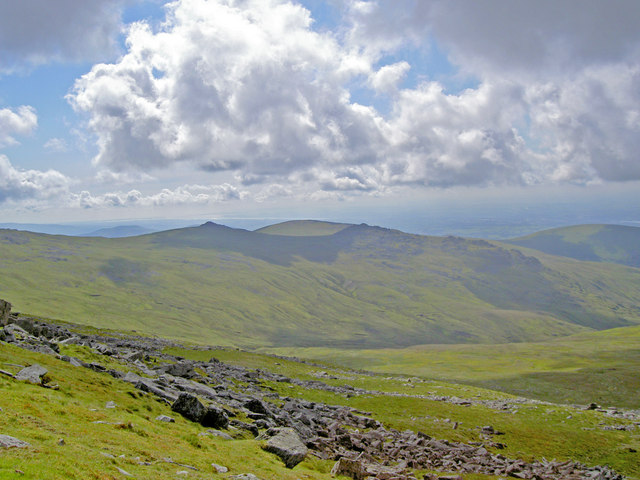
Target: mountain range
[306, 283]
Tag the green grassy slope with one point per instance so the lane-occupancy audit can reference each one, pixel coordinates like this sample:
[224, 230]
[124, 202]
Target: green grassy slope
[597, 243]
[304, 228]
[131, 436]
[361, 287]
[596, 367]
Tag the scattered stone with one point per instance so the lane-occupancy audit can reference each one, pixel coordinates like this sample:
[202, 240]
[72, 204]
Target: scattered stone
[165, 418]
[33, 374]
[219, 468]
[362, 445]
[110, 404]
[11, 442]
[123, 472]
[61, 442]
[245, 476]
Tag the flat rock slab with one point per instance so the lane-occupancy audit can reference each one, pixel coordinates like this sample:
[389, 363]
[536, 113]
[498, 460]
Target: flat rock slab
[32, 374]
[10, 442]
[288, 446]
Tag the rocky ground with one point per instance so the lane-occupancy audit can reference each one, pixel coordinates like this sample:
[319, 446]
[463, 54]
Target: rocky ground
[207, 393]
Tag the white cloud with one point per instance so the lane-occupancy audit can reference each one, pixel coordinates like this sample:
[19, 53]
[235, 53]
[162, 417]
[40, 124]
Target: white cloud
[184, 195]
[227, 85]
[29, 185]
[33, 32]
[386, 79]
[21, 122]
[56, 145]
[251, 88]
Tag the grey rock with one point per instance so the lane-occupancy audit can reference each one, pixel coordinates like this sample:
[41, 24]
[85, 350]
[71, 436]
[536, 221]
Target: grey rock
[219, 468]
[349, 468]
[217, 433]
[189, 407]
[245, 476]
[11, 442]
[180, 369]
[110, 404]
[214, 417]
[32, 374]
[287, 445]
[165, 418]
[5, 311]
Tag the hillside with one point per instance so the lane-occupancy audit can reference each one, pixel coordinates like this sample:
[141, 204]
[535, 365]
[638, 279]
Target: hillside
[589, 367]
[112, 406]
[304, 228]
[362, 287]
[119, 231]
[595, 243]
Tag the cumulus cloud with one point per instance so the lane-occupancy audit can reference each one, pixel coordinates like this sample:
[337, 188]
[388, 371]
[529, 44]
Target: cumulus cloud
[28, 185]
[184, 195]
[386, 79]
[33, 32]
[225, 85]
[20, 122]
[250, 87]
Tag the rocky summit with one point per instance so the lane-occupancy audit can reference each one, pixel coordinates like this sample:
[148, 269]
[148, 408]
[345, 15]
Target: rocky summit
[291, 428]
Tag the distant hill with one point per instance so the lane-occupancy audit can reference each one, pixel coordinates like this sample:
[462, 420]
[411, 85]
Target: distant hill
[596, 243]
[361, 287]
[304, 228]
[120, 231]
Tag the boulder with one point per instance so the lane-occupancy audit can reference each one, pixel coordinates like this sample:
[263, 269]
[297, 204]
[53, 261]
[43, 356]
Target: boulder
[32, 374]
[5, 311]
[10, 442]
[214, 417]
[287, 445]
[349, 468]
[189, 407]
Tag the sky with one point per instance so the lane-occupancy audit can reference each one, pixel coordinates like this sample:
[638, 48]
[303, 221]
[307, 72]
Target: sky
[396, 112]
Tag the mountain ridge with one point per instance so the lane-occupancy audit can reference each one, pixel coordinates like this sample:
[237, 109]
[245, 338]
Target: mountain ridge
[361, 287]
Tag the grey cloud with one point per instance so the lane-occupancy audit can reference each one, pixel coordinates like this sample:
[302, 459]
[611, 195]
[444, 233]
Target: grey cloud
[38, 31]
[530, 36]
